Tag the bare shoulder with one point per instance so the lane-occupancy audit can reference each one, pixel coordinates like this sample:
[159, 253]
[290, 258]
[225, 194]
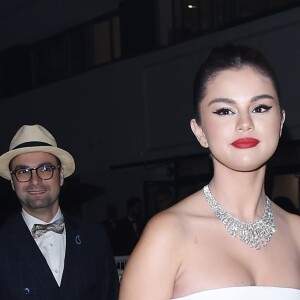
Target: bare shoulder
[287, 243]
[293, 221]
[168, 229]
[175, 221]
[289, 224]
[289, 219]
[159, 254]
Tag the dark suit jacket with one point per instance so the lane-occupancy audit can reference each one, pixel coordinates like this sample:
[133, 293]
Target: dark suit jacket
[89, 271]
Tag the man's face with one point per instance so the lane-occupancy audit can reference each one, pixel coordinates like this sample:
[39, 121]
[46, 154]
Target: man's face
[37, 196]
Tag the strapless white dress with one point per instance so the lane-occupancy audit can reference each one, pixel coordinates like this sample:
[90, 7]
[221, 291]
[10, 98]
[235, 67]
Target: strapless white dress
[246, 293]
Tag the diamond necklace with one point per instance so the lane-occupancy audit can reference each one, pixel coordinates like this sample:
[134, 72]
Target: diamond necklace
[255, 234]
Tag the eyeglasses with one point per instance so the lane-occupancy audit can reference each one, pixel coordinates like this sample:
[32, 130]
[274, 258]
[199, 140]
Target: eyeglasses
[44, 172]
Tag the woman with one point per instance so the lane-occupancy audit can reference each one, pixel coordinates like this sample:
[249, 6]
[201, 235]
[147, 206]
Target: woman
[227, 241]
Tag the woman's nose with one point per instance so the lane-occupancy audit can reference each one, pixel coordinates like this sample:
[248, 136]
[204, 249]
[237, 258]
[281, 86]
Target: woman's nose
[245, 122]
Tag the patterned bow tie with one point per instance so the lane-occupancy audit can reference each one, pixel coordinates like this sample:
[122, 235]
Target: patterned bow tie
[40, 229]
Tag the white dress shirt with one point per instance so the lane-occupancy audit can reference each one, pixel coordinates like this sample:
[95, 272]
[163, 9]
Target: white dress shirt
[51, 244]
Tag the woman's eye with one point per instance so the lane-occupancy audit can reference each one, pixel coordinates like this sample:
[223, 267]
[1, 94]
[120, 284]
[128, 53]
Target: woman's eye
[262, 108]
[223, 111]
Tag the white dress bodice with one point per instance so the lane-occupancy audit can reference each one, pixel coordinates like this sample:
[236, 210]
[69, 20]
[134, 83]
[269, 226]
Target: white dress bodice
[246, 293]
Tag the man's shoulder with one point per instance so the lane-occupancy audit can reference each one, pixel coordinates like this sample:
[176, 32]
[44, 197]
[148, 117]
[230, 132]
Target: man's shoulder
[14, 231]
[82, 225]
[12, 223]
[87, 234]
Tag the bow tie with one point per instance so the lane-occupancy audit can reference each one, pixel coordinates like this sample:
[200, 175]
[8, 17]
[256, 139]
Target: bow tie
[40, 229]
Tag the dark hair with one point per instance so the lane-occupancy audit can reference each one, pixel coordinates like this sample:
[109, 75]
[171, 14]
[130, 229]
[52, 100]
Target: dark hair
[226, 58]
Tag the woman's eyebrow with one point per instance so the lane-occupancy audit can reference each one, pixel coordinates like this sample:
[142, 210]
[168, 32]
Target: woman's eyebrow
[232, 101]
[263, 96]
[222, 100]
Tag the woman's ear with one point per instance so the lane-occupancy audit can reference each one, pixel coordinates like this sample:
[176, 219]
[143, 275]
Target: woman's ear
[282, 120]
[199, 134]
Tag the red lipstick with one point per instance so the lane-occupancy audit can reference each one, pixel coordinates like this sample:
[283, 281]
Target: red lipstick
[245, 143]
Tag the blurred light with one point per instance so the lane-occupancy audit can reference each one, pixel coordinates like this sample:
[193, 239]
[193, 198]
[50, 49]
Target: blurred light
[192, 6]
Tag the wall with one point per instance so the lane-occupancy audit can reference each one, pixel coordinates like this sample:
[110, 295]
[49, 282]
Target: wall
[27, 21]
[138, 110]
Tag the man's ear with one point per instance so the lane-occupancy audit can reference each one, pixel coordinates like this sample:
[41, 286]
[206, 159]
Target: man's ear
[61, 176]
[199, 134]
[12, 185]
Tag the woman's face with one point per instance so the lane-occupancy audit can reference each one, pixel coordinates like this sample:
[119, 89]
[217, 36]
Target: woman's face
[241, 120]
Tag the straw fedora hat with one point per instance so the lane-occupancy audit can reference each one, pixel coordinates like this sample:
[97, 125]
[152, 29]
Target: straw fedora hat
[34, 138]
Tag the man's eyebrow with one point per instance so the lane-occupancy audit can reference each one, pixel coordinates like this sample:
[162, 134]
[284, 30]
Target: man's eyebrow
[46, 163]
[40, 165]
[232, 101]
[21, 167]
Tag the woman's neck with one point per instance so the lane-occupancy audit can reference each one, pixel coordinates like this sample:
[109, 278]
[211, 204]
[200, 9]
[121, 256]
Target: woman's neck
[240, 193]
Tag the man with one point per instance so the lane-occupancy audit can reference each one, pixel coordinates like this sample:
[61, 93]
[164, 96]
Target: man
[72, 260]
[110, 225]
[131, 226]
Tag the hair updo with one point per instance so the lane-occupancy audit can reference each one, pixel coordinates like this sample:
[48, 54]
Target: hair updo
[229, 57]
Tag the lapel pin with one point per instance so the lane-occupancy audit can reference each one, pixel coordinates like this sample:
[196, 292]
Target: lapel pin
[77, 239]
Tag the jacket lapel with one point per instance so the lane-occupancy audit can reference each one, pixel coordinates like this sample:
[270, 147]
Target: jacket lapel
[73, 250]
[31, 253]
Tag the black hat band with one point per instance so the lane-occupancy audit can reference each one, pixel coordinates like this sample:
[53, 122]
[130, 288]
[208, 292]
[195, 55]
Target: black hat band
[31, 144]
